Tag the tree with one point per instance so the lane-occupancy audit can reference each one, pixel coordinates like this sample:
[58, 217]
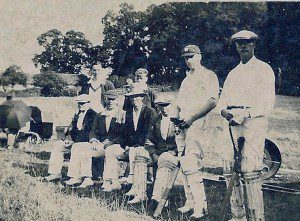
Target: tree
[64, 53]
[11, 76]
[154, 38]
[52, 85]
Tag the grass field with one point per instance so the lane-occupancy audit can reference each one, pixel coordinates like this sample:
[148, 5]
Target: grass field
[24, 197]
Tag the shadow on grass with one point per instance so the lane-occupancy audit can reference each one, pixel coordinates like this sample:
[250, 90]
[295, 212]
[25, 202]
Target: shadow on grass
[278, 206]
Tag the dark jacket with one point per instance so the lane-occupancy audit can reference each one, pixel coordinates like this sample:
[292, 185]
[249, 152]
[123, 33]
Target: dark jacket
[148, 100]
[105, 87]
[81, 135]
[137, 138]
[114, 134]
[160, 145]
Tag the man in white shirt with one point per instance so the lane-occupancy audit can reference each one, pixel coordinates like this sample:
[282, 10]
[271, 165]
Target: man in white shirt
[77, 132]
[97, 86]
[247, 98]
[197, 96]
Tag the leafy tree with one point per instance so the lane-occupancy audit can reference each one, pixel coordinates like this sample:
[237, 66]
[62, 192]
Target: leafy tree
[282, 36]
[65, 53]
[11, 76]
[154, 38]
[52, 85]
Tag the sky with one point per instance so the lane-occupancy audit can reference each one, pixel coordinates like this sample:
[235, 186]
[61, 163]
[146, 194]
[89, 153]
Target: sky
[22, 21]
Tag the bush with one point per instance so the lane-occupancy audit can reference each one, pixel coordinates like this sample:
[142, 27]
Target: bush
[52, 85]
[70, 92]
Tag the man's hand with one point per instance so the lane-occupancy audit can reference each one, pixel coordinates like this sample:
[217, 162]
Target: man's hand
[106, 143]
[186, 123]
[68, 143]
[94, 141]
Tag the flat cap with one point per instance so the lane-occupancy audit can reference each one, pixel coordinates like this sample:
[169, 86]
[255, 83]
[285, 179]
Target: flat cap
[162, 101]
[136, 90]
[112, 94]
[141, 71]
[83, 98]
[244, 35]
[190, 50]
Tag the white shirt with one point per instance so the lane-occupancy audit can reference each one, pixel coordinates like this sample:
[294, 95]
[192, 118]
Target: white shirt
[80, 120]
[136, 116]
[195, 90]
[164, 127]
[115, 113]
[252, 85]
[95, 93]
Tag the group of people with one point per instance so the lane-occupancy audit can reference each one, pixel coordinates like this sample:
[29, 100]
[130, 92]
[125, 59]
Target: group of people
[143, 131]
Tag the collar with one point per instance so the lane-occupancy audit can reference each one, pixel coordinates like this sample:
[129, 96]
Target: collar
[110, 113]
[251, 61]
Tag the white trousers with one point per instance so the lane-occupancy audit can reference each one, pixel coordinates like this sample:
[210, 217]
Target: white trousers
[81, 158]
[111, 165]
[254, 131]
[57, 157]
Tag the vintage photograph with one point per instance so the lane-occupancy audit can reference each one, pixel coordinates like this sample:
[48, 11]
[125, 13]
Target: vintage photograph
[128, 110]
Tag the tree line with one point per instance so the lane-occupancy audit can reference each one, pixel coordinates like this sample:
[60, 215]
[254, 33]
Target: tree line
[154, 38]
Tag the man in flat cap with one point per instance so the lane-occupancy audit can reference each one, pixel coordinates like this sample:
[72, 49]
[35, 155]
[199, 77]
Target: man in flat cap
[247, 99]
[106, 133]
[77, 132]
[96, 86]
[141, 78]
[197, 96]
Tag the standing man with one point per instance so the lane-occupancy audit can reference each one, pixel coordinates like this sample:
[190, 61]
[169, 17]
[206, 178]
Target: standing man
[140, 79]
[78, 131]
[97, 86]
[197, 96]
[247, 98]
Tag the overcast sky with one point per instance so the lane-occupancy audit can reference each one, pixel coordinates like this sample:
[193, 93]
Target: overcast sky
[22, 21]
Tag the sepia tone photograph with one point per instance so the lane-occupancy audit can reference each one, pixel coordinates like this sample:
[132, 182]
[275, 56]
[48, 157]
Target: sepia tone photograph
[149, 110]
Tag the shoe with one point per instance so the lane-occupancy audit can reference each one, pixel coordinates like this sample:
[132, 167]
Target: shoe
[131, 192]
[106, 184]
[185, 209]
[86, 182]
[137, 200]
[73, 181]
[239, 219]
[112, 187]
[52, 177]
[198, 214]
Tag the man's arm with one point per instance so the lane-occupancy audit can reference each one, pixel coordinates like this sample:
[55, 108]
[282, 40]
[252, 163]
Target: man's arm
[210, 104]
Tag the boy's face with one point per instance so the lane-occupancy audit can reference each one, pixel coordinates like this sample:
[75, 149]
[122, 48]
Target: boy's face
[192, 61]
[83, 106]
[141, 78]
[111, 103]
[137, 101]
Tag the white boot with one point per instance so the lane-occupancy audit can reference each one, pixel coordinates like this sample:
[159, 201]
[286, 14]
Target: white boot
[189, 203]
[195, 182]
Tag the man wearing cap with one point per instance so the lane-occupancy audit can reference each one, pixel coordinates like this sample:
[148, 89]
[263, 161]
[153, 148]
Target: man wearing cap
[160, 147]
[97, 86]
[141, 78]
[247, 99]
[106, 133]
[77, 132]
[197, 96]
